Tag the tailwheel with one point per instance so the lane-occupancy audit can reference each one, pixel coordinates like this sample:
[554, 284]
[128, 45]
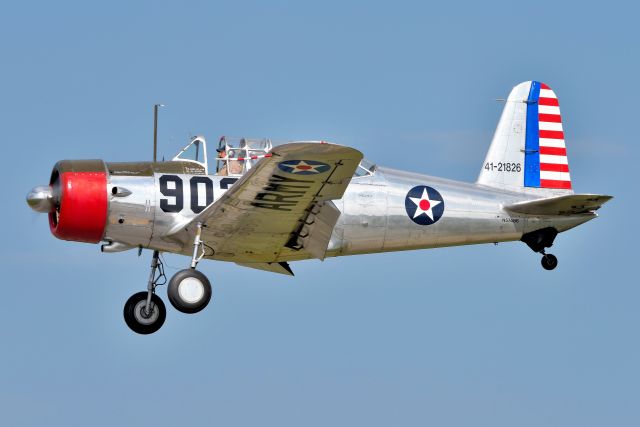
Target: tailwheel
[142, 319]
[549, 261]
[538, 241]
[189, 291]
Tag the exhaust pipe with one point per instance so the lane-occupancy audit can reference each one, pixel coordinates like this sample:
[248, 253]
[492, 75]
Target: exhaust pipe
[115, 247]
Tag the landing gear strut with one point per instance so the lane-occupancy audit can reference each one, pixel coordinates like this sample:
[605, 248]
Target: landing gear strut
[539, 240]
[189, 290]
[145, 312]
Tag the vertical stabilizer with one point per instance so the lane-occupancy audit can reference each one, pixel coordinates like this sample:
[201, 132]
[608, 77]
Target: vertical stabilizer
[528, 151]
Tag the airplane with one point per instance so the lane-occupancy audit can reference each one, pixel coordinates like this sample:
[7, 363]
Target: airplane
[267, 206]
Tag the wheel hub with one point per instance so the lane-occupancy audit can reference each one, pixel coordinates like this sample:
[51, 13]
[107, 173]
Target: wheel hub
[141, 314]
[191, 290]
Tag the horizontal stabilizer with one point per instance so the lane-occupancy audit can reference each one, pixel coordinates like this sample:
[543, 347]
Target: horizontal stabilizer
[274, 267]
[562, 205]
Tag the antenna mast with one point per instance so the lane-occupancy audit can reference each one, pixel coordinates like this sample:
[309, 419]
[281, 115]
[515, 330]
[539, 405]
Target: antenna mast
[155, 130]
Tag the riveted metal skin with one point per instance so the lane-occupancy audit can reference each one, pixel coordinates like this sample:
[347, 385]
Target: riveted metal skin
[373, 217]
[132, 217]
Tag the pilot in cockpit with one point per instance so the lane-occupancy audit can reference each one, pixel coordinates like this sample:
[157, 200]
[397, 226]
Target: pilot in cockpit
[235, 167]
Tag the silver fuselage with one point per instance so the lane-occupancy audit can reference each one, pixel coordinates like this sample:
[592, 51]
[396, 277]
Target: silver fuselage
[373, 216]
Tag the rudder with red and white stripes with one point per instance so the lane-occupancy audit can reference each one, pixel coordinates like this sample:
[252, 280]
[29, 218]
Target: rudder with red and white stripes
[545, 162]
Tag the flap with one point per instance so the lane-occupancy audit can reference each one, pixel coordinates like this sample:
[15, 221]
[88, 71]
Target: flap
[314, 232]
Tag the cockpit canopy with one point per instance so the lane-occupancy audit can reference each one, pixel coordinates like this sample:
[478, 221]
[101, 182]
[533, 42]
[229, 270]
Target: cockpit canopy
[236, 156]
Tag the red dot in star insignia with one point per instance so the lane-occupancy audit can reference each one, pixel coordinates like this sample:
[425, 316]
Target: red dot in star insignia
[303, 167]
[424, 205]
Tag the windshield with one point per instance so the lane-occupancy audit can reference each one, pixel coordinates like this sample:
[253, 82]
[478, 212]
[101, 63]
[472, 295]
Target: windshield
[193, 151]
[365, 168]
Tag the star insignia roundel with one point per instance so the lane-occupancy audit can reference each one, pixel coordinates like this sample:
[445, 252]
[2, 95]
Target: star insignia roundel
[303, 167]
[424, 205]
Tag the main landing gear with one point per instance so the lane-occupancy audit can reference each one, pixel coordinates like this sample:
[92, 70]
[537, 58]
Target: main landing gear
[144, 312]
[539, 240]
[189, 291]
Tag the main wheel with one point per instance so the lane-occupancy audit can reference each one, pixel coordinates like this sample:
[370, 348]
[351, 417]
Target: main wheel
[189, 291]
[137, 318]
[549, 262]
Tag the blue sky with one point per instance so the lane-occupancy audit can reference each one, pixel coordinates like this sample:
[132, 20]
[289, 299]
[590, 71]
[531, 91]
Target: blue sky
[468, 336]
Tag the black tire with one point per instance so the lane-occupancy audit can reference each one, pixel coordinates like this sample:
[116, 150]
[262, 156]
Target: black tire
[193, 298]
[549, 262]
[135, 315]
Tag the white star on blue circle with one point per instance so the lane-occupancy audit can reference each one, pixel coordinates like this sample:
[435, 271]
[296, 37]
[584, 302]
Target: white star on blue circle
[424, 205]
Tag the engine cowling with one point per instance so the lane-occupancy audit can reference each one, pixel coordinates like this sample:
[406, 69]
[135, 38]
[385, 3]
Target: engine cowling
[79, 200]
[92, 201]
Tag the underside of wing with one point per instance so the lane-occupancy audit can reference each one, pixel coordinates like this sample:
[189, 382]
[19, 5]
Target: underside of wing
[282, 204]
[563, 205]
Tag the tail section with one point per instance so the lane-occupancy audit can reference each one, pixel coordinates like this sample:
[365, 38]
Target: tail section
[528, 151]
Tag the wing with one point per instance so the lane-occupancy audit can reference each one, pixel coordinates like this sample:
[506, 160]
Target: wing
[283, 202]
[562, 205]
